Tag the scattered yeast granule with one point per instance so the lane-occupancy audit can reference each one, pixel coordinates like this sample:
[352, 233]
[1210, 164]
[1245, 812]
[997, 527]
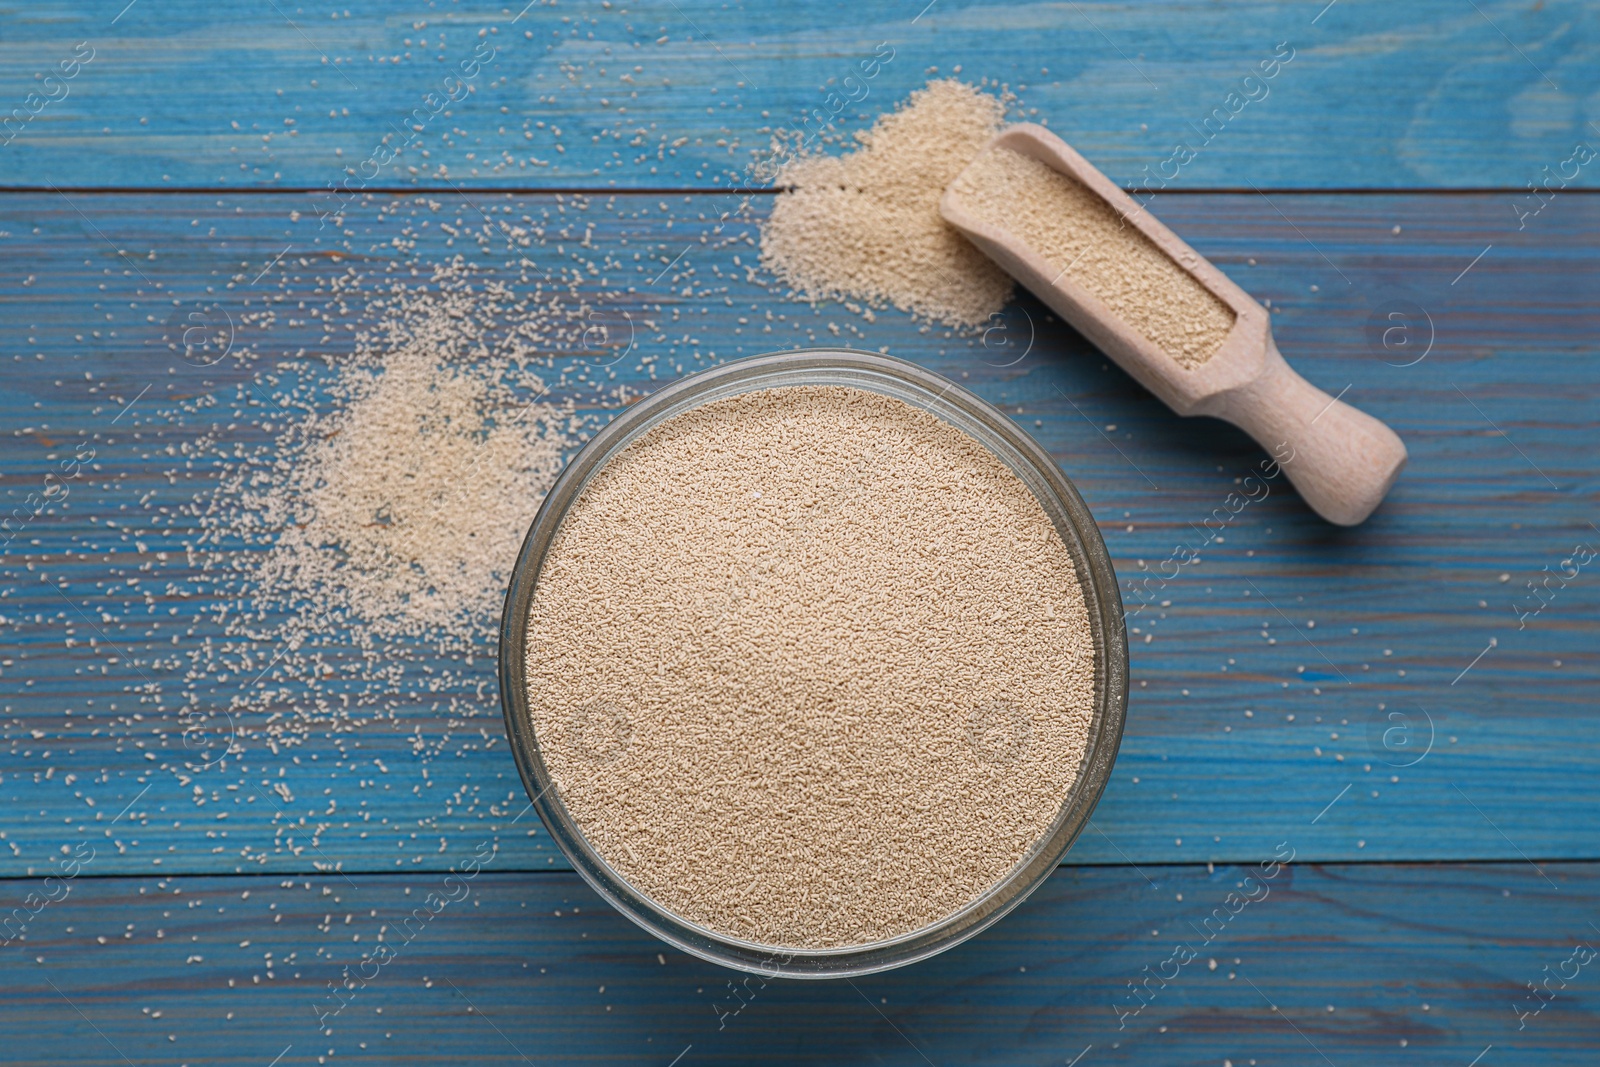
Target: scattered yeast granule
[397, 509]
[866, 225]
[810, 666]
[1080, 235]
[410, 496]
[356, 553]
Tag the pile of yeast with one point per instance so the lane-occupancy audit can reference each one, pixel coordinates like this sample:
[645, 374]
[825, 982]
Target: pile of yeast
[810, 667]
[1084, 238]
[865, 225]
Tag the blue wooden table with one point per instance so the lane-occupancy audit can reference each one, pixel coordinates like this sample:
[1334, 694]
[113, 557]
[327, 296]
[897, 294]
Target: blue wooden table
[1390, 705]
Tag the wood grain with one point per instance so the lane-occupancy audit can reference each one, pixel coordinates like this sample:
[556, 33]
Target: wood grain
[1357, 964]
[686, 93]
[1419, 722]
[1499, 415]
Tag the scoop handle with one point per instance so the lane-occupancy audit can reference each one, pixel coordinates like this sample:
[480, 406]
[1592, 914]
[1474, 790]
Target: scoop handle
[1341, 460]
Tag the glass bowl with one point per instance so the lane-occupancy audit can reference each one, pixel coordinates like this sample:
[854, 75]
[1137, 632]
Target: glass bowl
[989, 426]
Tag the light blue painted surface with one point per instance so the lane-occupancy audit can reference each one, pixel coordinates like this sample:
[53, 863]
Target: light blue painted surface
[1500, 402]
[157, 953]
[1439, 94]
[536, 966]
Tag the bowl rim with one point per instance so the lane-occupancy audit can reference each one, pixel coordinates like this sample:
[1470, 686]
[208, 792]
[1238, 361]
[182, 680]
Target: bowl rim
[1016, 448]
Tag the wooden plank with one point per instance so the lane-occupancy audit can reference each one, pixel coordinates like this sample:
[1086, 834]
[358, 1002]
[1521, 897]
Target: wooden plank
[1230, 748]
[685, 94]
[1341, 964]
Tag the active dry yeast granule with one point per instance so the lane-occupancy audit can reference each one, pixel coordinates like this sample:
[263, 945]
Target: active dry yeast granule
[810, 666]
[1080, 235]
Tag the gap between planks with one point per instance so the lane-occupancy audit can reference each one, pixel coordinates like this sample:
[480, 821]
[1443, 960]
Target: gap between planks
[565, 871]
[713, 190]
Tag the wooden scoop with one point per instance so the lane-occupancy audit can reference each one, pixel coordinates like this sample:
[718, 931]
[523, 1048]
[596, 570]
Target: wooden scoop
[1341, 460]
